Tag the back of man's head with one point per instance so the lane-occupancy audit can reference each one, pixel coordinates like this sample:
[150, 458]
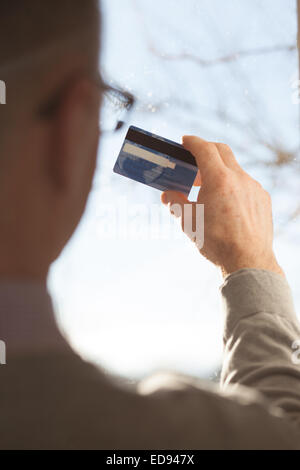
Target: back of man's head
[39, 41]
[49, 53]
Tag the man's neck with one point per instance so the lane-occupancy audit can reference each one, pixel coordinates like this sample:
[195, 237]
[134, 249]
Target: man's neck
[27, 321]
[17, 263]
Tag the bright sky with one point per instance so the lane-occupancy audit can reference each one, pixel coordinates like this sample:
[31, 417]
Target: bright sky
[148, 300]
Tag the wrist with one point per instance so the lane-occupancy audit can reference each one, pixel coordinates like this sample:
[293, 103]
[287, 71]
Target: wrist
[268, 264]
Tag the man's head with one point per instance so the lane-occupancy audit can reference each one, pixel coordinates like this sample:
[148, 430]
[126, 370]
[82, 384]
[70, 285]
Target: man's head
[49, 52]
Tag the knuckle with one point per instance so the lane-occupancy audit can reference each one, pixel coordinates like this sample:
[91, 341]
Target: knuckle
[260, 190]
[208, 146]
[259, 186]
[256, 186]
[244, 175]
[224, 147]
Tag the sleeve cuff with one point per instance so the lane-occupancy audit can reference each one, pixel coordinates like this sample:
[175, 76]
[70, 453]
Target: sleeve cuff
[251, 291]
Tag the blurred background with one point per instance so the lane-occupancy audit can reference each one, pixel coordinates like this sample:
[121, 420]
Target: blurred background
[131, 293]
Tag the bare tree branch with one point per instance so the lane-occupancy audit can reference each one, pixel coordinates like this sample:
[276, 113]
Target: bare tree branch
[272, 153]
[185, 56]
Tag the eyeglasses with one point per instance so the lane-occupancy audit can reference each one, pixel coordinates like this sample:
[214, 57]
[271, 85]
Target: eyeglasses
[115, 109]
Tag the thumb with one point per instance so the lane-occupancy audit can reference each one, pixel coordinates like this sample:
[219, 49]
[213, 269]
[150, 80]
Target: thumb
[206, 154]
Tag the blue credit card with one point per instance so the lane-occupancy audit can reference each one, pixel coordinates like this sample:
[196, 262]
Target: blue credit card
[156, 162]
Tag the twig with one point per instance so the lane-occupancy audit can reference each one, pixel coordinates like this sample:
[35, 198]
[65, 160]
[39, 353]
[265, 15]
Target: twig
[225, 59]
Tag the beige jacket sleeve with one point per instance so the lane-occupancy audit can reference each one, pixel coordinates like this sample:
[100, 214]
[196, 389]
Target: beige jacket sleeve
[257, 405]
[261, 338]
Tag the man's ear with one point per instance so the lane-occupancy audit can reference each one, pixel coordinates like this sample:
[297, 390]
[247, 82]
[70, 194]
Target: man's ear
[76, 136]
